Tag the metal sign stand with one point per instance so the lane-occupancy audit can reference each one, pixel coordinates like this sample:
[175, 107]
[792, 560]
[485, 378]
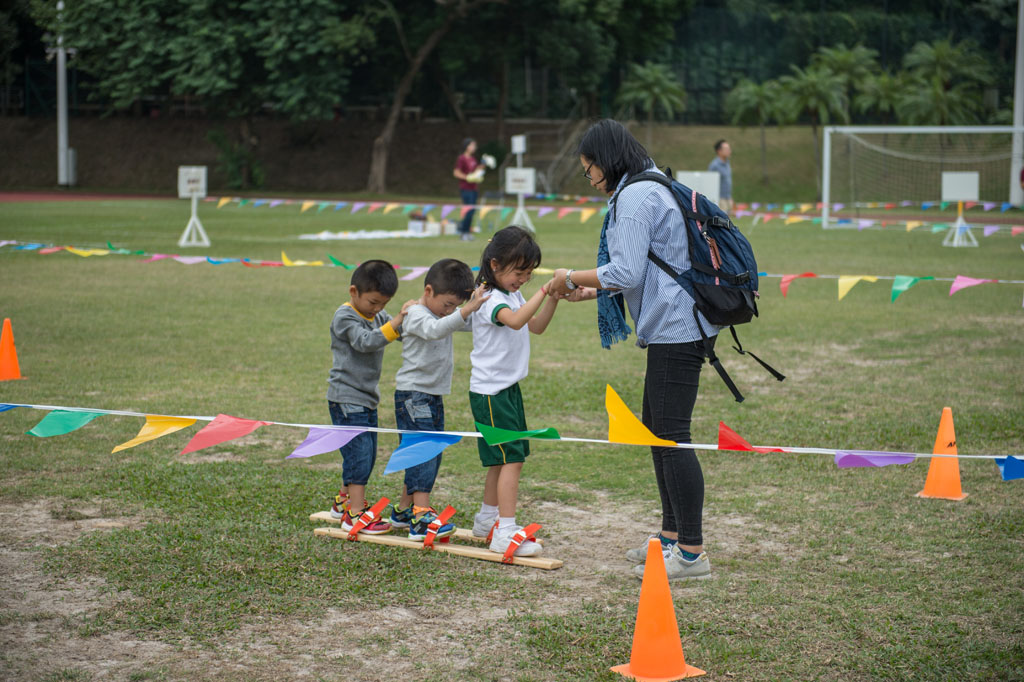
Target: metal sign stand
[192, 184]
[521, 217]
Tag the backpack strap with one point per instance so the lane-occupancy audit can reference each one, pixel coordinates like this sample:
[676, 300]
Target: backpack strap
[739, 349]
[735, 280]
[713, 360]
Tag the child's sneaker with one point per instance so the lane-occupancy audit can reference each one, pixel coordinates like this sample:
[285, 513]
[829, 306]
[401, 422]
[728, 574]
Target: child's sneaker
[422, 520]
[401, 518]
[502, 537]
[377, 527]
[338, 505]
[679, 568]
[482, 524]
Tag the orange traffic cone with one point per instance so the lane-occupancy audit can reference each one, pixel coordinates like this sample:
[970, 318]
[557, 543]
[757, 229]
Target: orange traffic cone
[657, 654]
[944, 473]
[8, 355]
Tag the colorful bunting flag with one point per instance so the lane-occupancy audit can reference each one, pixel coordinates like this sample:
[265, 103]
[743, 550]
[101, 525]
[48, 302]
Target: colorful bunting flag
[624, 427]
[847, 282]
[1010, 468]
[321, 440]
[306, 205]
[223, 200]
[962, 282]
[389, 208]
[415, 274]
[60, 422]
[990, 230]
[847, 459]
[586, 214]
[223, 428]
[562, 212]
[730, 440]
[156, 426]
[543, 211]
[417, 448]
[496, 436]
[5, 407]
[901, 283]
[446, 209]
[788, 279]
[356, 206]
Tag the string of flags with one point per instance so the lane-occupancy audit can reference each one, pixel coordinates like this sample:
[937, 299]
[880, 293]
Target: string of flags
[875, 223]
[750, 207]
[416, 447]
[900, 283]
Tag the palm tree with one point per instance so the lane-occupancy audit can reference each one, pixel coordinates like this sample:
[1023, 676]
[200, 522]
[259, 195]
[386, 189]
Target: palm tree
[819, 94]
[754, 102]
[930, 102]
[651, 86]
[881, 93]
[948, 63]
[854, 65]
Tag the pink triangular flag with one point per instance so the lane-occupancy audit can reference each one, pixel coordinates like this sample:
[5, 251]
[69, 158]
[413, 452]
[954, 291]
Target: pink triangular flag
[962, 282]
[223, 428]
[1016, 229]
[788, 279]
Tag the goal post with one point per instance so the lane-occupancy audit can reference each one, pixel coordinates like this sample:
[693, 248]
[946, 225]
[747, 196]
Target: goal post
[864, 165]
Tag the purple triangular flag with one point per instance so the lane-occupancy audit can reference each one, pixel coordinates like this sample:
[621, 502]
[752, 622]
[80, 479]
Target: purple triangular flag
[846, 459]
[321, 440]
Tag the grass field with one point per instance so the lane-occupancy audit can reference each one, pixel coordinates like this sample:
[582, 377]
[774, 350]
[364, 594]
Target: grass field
[147, 565]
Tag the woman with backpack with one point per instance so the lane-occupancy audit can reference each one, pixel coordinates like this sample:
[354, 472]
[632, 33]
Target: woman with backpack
[646, 217]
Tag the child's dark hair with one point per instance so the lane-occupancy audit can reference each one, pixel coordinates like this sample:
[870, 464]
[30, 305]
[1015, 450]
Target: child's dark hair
[511, 247]
[450, 276]
[465, 144]
[375, 275]
[613, 149]
[718, 145]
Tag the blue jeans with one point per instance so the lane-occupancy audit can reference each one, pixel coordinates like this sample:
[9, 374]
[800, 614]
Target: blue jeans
[360, 453]
[415, 411]
[469, 198]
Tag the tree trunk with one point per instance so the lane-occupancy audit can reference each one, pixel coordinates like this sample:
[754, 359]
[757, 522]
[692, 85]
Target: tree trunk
[377, 182]
[248, 142]
[449, 94]
[817, 156]
[764, 158]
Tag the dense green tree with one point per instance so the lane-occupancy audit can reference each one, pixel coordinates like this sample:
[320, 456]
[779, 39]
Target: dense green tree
[947, 63]
[817, 93]
[751, 102]
[853, 64]
[238, 56]
[880, 94]
[652, 87]
[929, 102]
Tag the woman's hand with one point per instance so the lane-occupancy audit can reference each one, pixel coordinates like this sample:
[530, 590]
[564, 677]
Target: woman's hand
[557, 288]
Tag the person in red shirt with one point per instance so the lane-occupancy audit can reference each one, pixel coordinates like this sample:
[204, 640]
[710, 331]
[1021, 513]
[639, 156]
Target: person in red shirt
[464, 167]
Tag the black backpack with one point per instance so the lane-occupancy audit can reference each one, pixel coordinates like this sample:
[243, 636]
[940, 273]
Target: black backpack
[722, 279]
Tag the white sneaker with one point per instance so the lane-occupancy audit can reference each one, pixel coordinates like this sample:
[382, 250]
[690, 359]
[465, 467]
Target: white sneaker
[638, 555]
[482, 524]
[502, 538]
[678, 568]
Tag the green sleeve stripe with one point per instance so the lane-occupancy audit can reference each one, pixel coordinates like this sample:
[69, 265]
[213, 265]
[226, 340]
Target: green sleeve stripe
[494, 313]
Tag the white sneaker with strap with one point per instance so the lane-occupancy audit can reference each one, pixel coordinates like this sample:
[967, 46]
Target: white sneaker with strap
[504, 536]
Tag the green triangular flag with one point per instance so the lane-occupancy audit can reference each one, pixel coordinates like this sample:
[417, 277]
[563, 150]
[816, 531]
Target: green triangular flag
[408, 209]
[504, 213]
[337, 262]
[903, 282]
[943, 205]
[242, 202]
[496, 436]
[322, 206]
[59, 422]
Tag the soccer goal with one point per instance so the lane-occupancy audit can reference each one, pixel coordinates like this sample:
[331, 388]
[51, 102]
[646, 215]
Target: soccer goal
[865, 167]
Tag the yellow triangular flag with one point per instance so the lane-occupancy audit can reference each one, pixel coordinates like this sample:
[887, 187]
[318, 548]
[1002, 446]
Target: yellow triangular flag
[484, 210]
[847, 282]
[223, 200]
[624, 427]
[804, 208]
[306, 205]
[794, 219]
[154, 428]
[85, 253]
[586, 213]
[389, 208]
[287, 261]
[911, 224]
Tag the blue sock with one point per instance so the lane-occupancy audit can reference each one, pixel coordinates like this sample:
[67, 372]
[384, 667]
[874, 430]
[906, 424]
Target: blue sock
[689, 556]
[667, 542]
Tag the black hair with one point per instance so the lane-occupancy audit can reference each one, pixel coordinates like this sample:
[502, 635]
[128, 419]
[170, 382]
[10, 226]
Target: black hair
[613, 149]
[511, 247]
[375, 275]
[450, 276]
[718, 145]
[465, 144]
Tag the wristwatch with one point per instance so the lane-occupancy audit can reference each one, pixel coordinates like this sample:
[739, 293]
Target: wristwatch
[568, 280]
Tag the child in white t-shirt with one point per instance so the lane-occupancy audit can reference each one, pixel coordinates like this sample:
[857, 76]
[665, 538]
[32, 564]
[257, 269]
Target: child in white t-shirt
[500, 359]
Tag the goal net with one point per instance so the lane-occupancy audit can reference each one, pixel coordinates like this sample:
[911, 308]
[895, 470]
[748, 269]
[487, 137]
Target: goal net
[864, 166]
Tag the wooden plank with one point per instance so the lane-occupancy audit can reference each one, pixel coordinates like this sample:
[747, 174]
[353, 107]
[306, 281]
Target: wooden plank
[465, 534]
[451, 548]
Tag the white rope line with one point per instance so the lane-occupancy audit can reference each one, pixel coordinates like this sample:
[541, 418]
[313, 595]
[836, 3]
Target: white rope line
[477, 434]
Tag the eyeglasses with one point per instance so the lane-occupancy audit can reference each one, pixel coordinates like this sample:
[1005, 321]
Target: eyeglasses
[586, 173]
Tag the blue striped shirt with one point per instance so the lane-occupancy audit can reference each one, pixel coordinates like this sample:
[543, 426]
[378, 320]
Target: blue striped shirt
[647, 217]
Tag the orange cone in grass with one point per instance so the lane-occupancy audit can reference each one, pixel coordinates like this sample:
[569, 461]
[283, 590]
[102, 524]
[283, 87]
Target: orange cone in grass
[657, 654]
[8, 355]
[943, 479]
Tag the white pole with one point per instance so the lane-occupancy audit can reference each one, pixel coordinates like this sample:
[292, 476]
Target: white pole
[62, 104]
[826, 173]
[1017, 153]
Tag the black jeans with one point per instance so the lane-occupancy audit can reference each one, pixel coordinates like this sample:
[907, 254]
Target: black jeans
[670, 391]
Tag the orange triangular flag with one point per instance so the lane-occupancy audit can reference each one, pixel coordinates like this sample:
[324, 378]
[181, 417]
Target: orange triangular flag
[944, 472]
[624, 427]
[9, 368]
[657, 652]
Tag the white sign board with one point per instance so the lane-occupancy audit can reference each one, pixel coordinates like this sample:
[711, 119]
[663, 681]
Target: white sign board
[960, 186]
[191, 182]
[520, 180]
[519, 144]
[708, 183]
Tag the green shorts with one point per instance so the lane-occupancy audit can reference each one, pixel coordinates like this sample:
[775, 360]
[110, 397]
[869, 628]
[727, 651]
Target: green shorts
[504, 411]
